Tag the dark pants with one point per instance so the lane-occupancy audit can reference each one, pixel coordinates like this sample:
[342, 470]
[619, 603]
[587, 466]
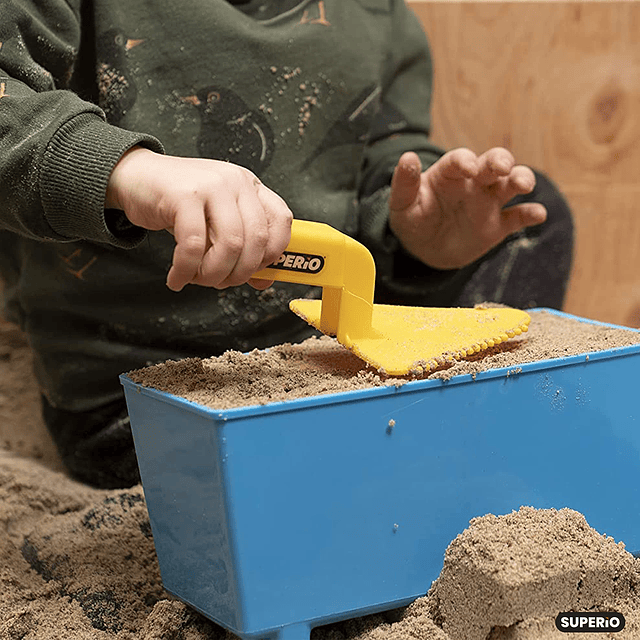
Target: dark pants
[529, 269]
[95, 446]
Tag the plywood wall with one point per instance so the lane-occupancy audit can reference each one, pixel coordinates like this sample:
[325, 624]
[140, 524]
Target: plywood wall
[558, 84]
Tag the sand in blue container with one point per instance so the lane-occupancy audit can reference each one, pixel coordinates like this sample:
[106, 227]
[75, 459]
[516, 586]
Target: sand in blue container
[273, 519]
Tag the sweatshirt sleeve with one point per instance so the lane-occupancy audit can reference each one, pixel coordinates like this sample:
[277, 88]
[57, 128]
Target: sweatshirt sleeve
[56, 150]
[403, 124]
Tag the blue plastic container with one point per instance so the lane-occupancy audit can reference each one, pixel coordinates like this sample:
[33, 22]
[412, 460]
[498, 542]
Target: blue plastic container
[271, 520]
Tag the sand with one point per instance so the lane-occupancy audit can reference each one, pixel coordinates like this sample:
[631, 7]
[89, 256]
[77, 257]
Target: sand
[79, 563]
[321, 365]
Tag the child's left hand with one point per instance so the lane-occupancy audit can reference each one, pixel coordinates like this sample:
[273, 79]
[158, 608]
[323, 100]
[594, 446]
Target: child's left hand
[452, 214]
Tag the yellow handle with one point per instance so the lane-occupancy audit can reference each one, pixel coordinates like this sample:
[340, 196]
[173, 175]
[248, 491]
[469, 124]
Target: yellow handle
[323, 256]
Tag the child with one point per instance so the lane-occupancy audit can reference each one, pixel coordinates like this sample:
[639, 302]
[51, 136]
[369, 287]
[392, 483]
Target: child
[152, 156]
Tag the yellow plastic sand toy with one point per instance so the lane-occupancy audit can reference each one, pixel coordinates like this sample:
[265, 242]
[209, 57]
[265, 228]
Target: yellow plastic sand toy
[396, 340]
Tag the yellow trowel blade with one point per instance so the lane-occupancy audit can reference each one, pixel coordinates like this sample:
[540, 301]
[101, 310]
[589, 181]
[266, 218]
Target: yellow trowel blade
[408, 340]
[393, 339]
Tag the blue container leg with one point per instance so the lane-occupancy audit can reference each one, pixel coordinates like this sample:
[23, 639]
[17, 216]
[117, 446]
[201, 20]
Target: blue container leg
[299, 631]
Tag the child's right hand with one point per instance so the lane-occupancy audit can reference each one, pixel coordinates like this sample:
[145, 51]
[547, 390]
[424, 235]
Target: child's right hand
[227, 225]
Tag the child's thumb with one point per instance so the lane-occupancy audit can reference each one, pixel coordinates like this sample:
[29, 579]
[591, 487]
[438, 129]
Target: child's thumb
[405, 182]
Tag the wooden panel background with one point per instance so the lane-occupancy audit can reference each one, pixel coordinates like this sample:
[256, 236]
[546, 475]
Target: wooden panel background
[559, 85]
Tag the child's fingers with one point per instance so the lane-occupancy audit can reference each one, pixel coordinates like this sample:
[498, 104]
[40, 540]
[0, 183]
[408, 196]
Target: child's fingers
[520, 181]
[456, 165]
[279, 218]
[225, 263]
[405, 182]
[267, 230]
[227, 241]
[494, 164]
[265, 223]
[256, 239]
[223, 239]
[259, 284]
[523, 215]
[190, 233]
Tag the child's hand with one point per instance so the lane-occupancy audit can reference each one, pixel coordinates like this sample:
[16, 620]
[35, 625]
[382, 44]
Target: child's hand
[227, 225]
[451, 214]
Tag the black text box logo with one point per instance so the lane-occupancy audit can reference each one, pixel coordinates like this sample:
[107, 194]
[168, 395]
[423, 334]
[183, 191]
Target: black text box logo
[590, 622]
[302, 262]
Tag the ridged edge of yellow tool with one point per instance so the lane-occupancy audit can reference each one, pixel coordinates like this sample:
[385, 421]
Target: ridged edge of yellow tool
[422, 367]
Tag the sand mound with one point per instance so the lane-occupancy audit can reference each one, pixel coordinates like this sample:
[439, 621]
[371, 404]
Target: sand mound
[79, 564]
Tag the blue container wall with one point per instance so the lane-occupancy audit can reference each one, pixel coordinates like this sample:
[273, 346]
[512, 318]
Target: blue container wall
[334, 511]
[317, 509]
[179, 459]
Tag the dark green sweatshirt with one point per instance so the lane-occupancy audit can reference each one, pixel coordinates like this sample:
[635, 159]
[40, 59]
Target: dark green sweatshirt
[318, 98]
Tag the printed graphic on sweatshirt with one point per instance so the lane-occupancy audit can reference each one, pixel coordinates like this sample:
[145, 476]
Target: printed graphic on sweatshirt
[267, 9]
[314, 11]
[78, 262]
[364, 118]
[315, 14]
[231, 130]
[352, 125]
[116, 88]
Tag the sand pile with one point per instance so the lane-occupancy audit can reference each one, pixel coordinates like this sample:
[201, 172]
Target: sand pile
[79, 564]
[321, 365]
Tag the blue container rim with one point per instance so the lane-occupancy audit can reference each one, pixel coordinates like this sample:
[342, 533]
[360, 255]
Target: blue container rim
[405, 387]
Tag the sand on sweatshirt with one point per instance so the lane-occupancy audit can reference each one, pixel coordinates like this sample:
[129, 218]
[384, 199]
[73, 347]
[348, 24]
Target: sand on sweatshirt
[79, 563]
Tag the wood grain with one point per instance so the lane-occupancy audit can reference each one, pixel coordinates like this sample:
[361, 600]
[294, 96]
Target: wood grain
[559, 85]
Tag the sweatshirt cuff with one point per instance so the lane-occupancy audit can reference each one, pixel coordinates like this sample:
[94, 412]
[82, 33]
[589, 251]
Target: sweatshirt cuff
[398, 274]
[374, 223]
[74, 175]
